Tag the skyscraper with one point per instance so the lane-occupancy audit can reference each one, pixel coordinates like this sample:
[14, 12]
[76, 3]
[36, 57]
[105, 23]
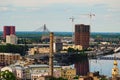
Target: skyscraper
[82, 68]
[82, 35]
[8, 30]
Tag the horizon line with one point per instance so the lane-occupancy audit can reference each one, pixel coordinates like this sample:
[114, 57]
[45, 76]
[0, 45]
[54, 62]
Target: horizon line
[68, 31]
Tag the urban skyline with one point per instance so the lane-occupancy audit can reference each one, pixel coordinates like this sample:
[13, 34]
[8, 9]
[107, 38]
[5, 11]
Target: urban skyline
[28, 15]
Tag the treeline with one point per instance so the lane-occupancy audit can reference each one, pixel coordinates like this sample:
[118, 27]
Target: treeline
[105, 35]
[9, 48]
[78, 57]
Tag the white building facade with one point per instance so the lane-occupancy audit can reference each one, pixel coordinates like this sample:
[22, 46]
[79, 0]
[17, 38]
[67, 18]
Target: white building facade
[11, 39]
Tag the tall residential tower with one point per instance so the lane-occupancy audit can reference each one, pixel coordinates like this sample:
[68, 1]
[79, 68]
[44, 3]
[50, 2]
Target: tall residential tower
[8, 30]
[82, 35]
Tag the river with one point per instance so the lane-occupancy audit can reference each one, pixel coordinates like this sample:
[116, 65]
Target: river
[103, 66]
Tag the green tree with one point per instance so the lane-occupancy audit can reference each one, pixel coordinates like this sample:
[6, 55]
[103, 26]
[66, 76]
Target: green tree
[103, 79]
[76, 77]
[7, 75]
[60, 78]
[71, 50]
[9, 48]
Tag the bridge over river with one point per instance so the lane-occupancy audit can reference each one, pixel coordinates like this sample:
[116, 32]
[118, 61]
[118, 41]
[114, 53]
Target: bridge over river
[106, 58]
[114, 57]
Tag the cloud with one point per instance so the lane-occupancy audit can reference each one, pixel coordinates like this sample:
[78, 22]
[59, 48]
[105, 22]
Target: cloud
[39, 3]
[3, 8]
[34, 5]
[113, 9]
[7, 9]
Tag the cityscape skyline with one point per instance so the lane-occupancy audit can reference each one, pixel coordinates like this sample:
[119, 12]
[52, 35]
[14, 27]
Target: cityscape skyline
[28, 15]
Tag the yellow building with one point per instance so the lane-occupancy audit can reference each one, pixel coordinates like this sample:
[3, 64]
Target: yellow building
[90, 76]
[9, 58]
[68, 73]
[43, 78]
[86, 78]
[37, 50]
[79, 47]
[115, 71]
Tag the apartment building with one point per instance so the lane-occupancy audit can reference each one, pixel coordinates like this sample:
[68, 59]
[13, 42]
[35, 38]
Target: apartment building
[8, 58]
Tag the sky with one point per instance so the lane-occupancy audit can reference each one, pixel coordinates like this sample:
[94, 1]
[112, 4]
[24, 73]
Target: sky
[31, 15]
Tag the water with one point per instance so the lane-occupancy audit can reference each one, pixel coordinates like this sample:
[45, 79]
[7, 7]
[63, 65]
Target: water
[103, 66]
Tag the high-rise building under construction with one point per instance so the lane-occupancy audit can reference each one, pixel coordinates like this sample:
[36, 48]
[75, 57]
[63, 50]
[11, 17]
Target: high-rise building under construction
[82, 35]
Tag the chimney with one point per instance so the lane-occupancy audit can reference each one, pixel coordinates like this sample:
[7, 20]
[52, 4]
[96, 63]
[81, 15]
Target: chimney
[51, 54]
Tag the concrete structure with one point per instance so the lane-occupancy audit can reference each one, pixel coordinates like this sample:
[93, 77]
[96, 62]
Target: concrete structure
[8, 58]
[8, 30]
[82, 35]
[67, 40]
[58, 46]
[11, 39]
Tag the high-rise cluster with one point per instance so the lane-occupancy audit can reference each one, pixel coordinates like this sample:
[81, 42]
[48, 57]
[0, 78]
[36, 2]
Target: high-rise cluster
[9, 34]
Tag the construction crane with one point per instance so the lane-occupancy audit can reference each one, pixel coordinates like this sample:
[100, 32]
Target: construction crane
[72, 20]
[90, 16]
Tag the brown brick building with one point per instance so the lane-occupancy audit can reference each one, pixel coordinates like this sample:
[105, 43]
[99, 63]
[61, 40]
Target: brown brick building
[82, 68]
[8, 30]
[8, 58]
[82, 35]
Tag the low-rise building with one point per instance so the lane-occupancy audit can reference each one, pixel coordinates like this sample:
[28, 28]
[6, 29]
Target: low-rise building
[9, 58]
[43, 78]
[19, 71]
[79, 47]
[37, 50]
[40, 72]
[68, 73]
[36, 71]
[90, 76]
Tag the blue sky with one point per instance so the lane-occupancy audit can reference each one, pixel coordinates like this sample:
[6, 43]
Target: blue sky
[29, 15]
